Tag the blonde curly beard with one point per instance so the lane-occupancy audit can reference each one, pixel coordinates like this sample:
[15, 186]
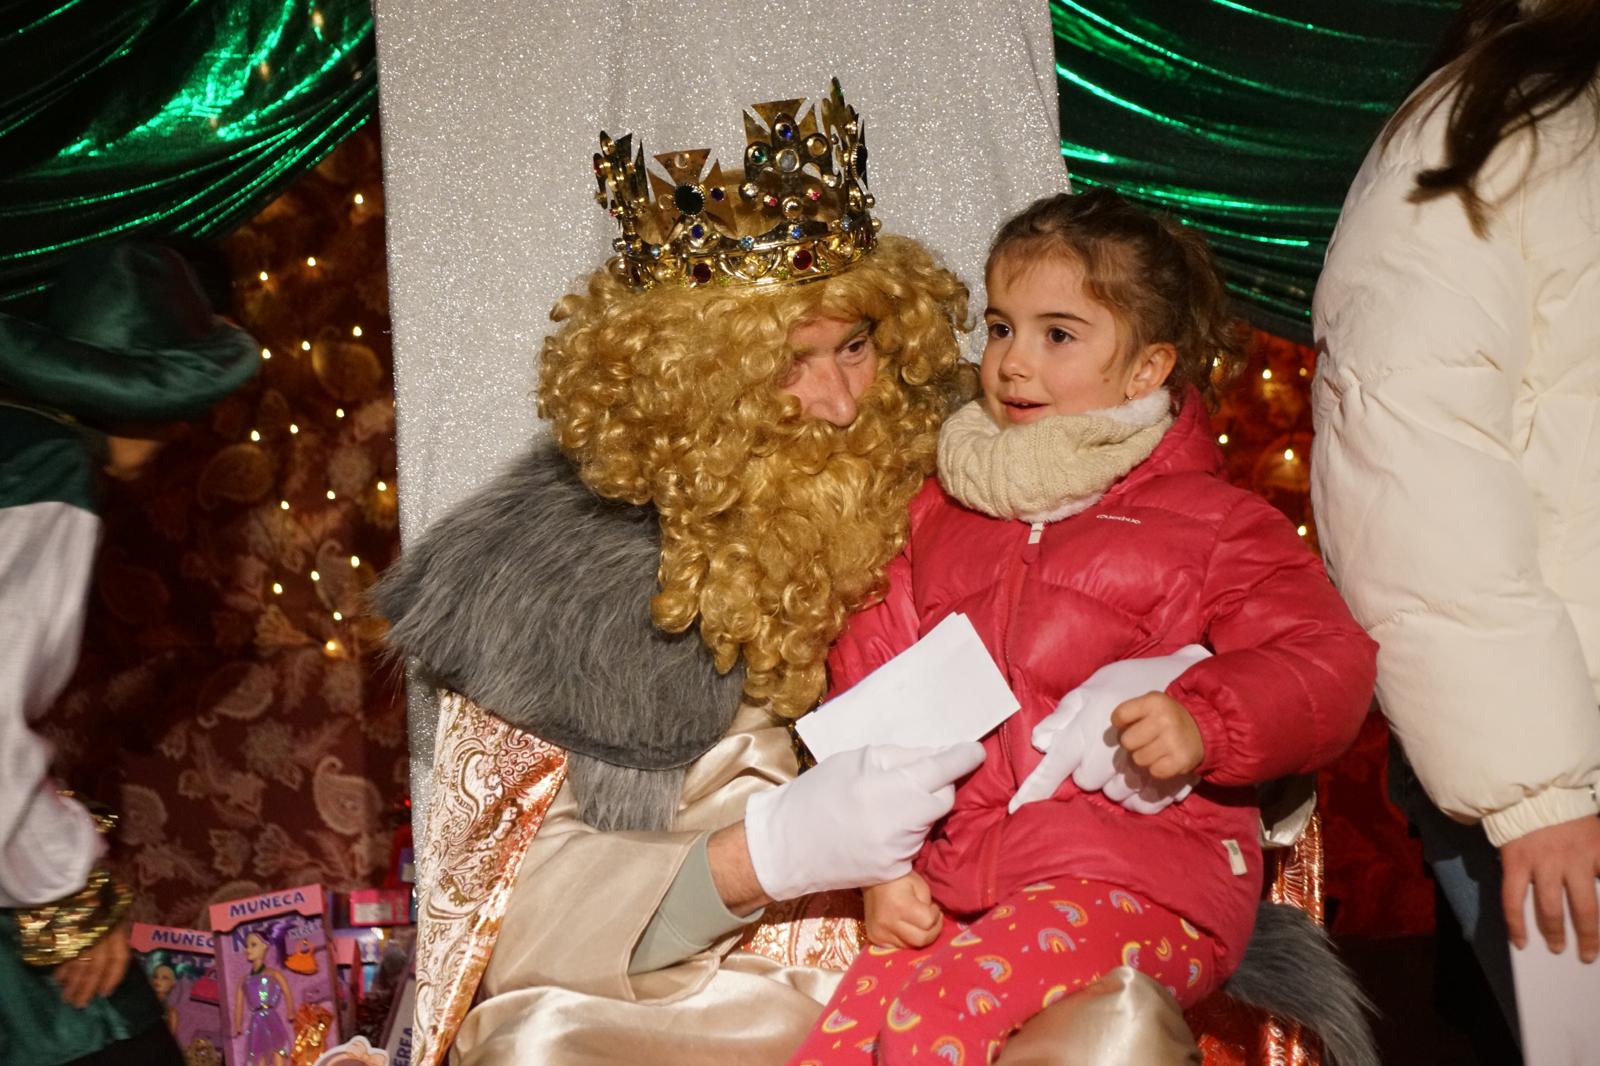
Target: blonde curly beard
[774, 526]
[790, 539]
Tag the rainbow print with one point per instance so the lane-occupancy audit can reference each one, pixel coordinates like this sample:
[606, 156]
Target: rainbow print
[1124, 902]
[1074, 914]
[865, 983]
[996, 967]
[837, 1022]
[928, 972]
[1188, 930]
[1164, 948]
[981, 1001]
[1053, 993]
[1130, 954]
[1056, 941]
[1041, 886]
[949, 1050]
[1194, 972]
[965, 939]
[1005, 910]
[901, 1018]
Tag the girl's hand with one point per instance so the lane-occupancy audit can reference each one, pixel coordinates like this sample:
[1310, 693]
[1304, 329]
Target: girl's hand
[901, 913]
[1159, 735]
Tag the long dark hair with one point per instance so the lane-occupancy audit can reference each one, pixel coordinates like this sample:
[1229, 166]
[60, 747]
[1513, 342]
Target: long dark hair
[1514, 67]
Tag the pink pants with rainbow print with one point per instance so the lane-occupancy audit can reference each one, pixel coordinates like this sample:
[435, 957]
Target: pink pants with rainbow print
[955, 1001]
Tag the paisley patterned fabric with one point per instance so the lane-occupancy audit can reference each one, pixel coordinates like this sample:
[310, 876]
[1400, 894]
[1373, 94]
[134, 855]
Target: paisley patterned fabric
[492, 785]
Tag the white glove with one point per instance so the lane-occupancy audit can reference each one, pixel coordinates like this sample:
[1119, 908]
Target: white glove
[1079, 740]
[854, 819]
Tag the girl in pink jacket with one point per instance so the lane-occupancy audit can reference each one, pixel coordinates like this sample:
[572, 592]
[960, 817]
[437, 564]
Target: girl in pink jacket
[1080, 519]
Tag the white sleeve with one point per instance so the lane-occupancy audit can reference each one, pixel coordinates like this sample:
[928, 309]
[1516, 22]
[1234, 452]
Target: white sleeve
[1427, 523]
[48, 844]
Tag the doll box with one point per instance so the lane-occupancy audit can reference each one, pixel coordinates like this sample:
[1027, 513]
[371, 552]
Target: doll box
[277, 976]
[182, 967]
[380, 906]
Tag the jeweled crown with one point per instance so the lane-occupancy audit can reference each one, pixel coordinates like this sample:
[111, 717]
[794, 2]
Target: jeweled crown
[797, 210]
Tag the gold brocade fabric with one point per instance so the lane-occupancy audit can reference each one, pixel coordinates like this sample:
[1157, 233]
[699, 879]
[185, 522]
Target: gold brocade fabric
[822, 931]
[492, 785]
[1232, 1034]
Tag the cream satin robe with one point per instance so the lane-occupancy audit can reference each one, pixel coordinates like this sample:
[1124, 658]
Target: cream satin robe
[557, 991]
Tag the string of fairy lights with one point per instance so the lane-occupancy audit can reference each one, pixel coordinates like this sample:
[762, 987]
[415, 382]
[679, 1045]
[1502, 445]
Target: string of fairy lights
[334, 646]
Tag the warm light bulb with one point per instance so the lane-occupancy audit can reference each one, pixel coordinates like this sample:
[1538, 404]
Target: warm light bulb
[277, 589]
[355, 561]
[1301, 531]
[1288, 453]
[338, 412]
[360, 199]
[311, 260]
[331, 647]
[284, 504]
[305, 346]
[1304, 372]
[355, 331]
[315, 576]
[293, 428]
[1222, 438]
[266, 353]
[331, 495]
[1266, 375]
[255, 435]
[262, 275]
[337, 617]
[383, 486]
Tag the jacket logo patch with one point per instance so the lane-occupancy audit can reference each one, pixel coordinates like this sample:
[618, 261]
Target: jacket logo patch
[1119, 518]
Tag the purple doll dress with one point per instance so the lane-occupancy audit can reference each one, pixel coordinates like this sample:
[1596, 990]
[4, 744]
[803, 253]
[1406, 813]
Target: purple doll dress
[267, 1036]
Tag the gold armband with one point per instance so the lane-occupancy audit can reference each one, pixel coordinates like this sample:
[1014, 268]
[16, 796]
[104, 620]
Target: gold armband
[61, 931]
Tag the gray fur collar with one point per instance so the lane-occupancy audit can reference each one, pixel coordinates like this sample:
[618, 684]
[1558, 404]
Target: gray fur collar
[531, 598]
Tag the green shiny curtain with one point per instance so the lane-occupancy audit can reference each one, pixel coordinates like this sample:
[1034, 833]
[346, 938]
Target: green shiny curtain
[165, 116]
[1246, 119]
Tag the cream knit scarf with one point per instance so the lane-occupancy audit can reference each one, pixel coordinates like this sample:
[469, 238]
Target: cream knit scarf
[1047, 470]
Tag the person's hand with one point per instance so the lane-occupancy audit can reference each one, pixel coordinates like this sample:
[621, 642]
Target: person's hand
[1080, 742]
[1560, 862]
[97, 971]
[901, 913]
[1159, 735]
[854, 819]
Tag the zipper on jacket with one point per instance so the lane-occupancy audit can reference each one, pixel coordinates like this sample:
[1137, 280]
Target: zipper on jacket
[989, 857]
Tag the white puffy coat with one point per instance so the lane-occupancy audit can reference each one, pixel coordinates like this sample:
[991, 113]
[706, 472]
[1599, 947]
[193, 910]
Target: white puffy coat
[1456, 465]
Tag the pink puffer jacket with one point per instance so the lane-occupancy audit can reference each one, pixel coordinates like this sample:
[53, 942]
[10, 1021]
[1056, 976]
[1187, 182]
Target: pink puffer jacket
[1172, 555]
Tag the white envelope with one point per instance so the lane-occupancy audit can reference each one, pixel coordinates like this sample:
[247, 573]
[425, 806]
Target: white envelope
[942, 690]
[1558, 1000]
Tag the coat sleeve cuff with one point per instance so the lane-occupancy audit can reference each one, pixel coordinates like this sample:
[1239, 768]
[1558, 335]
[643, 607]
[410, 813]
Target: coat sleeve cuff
[1214, 737]
[691, 918]
[1551, 807]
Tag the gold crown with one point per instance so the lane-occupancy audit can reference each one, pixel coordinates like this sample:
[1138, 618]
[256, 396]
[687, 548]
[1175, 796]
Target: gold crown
[797, 211]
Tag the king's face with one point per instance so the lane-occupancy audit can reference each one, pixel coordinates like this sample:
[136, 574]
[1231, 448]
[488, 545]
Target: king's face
[834, 363]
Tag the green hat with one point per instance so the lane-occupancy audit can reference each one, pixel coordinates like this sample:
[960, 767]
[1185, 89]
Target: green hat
[128, 337]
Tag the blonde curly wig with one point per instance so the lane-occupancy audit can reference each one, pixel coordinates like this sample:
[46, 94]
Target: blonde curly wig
[774, 526]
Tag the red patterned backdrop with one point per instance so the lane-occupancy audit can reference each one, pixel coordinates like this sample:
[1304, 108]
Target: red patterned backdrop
[230, 695]
[229, 700]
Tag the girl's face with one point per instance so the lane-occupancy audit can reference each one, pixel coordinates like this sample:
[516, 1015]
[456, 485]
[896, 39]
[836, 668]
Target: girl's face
[1053, 349]
[833, 365]
[255, 948]
[162, 981]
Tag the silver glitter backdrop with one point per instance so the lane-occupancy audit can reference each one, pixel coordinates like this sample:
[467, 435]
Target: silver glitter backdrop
[490, 114]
